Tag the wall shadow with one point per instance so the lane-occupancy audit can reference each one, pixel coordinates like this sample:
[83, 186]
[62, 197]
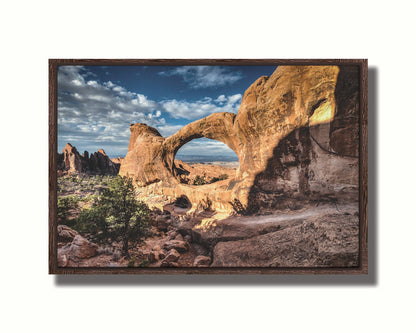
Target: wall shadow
[328, 280]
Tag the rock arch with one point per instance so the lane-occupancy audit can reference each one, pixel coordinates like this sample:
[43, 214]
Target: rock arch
[293, 97]
[218, 126]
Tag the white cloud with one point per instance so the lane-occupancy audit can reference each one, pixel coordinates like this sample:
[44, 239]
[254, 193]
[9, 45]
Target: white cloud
[205, 147]
[90, 111]
[98, 114]
[221, 99]
[205, 76]
[168, 130]
[201, 108]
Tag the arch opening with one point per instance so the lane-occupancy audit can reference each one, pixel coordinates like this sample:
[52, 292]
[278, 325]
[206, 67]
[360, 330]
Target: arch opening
[203, 161]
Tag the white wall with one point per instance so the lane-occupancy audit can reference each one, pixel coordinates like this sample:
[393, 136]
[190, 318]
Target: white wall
[33, 31]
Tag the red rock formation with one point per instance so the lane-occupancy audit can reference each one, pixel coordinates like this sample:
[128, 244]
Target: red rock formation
[289, 129]
[70, 161]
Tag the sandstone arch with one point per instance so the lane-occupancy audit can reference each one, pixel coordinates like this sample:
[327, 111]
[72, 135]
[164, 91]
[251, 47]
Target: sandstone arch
[293, 97]
[218, 126]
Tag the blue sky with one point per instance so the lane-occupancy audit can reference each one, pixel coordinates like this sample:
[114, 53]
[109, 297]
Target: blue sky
[96, 104]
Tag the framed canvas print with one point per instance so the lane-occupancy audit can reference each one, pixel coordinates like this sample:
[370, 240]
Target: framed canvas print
[208, 166]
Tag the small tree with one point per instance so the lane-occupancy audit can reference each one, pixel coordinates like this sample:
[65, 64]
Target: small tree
[65, 206]
[117, 215]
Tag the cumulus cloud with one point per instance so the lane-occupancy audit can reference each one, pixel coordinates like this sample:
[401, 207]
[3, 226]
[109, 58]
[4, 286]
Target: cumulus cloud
[98, 114]
[205, 76]
[168, 130]
[94, 114]
[201, 108]
[206, 147]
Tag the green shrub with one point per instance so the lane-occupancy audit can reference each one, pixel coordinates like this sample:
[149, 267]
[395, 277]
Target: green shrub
[219, 178]
[116, 215]
[199, 180]
[64, 207]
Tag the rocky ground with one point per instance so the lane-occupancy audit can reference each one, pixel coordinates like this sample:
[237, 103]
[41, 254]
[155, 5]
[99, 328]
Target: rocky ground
[313, 236]
[206, 173]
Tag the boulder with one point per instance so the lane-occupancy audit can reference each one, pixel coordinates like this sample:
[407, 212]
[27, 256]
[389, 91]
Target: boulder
[180, 246]
[179, 237]
[202, 261]
[172, 234]
[65, 233]
[82, 248]
[62, 258]
[161, 222]
[168, 264]
[172, 256]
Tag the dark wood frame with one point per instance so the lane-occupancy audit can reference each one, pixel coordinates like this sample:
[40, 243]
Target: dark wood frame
[363, 172]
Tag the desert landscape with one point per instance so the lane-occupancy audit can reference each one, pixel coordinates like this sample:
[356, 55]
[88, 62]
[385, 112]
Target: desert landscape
[290, 197]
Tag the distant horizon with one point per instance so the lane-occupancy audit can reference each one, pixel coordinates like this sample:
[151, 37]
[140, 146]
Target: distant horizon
[96, 104]
[182, 157]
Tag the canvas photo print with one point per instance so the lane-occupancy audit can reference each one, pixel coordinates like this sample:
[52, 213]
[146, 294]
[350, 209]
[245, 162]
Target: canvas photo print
[164, 166]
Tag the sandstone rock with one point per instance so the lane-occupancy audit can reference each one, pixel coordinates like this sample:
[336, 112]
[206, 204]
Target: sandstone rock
[82, 248]
[162, 222]
[62, 259]
[178, 245]
[117, 161]
[328, 239]
[168, 264]
[70, 161]
[202, 261]
[146, 254]
[65, 233]
[179, 237]
[157, 248]
[172, 256]
[172, 234]
[313, 108]
[153, 256]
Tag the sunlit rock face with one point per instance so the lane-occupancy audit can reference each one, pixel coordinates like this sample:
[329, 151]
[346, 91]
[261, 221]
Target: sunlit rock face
[98, 163]
[295, 135]
[272, 107]
[144, 160]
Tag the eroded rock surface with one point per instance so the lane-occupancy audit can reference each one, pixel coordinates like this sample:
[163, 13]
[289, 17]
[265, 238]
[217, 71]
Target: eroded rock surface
[295, 135]
[321, 239]
[65, 233]
[323, 235]
[79, 248]
[98, 163]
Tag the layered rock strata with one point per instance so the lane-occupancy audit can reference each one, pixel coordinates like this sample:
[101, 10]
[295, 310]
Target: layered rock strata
[71, 161]
[295, 134]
